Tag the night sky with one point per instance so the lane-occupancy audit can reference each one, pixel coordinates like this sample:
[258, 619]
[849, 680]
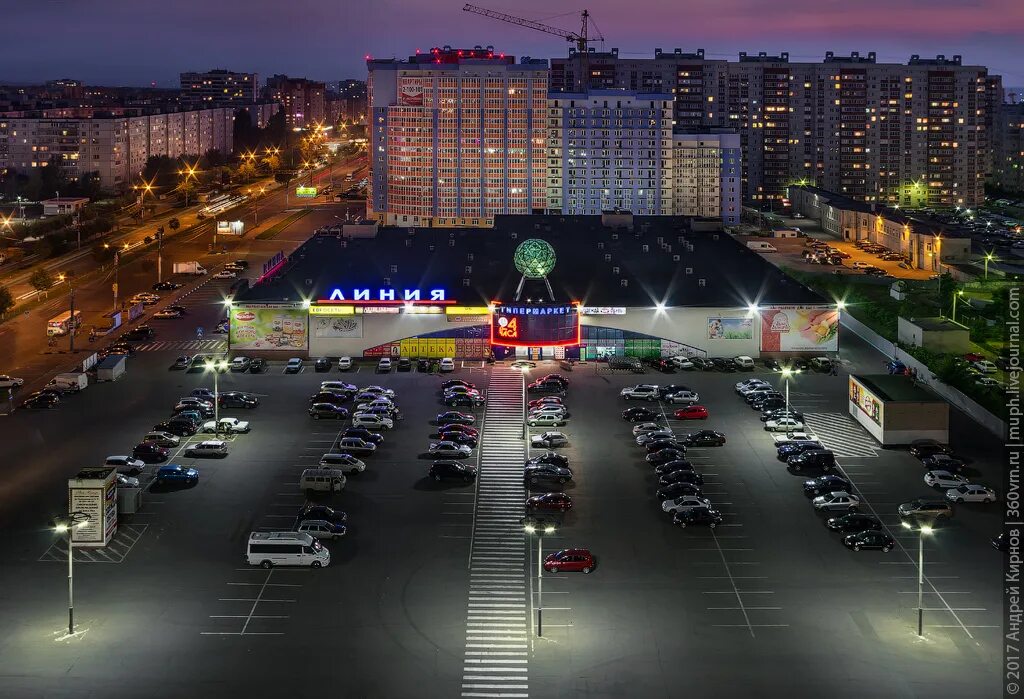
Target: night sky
[137, 42]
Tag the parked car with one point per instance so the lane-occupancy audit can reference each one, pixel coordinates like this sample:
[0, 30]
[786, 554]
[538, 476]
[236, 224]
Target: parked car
[545, 420]
[928, 447]
[548, 440]
[639, 414]
[703, 438]
[294, 365]
[549, 502]
[852, 523]
[322, 529]
[697, 516]
[176, 473]
[257, 366]
[150, 452]
[177, 427]
[372, 422]
[944, 480]
[470, 440]
[691, 412]
[322, 364]
[240, 364]
[449, 450]
[126, 464]
[570, 560]
[454, 417]
[925, 509]
[823, 459]
[684, 502]
[943, 462]
[837, 501]
[446, 365]
[971, 492]
[182, 362]
[687, 397]
[163, 439]
[546, 386]
[404, 364]
[226, 425]
[869, 539]
[535, 473]
[212, 448]
[666, 455]
[237, 399]
[344, 363]
[647, 392]
[383, 365]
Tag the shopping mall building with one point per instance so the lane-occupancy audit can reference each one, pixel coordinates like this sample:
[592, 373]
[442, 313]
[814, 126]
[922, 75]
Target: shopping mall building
[584, 287]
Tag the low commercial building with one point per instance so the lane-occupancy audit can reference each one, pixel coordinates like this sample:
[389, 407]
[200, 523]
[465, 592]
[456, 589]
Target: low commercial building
[935, 334]
[652, 288]
[896, 410]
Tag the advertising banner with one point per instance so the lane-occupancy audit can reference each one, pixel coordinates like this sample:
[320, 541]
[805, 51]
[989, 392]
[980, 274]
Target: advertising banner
[338, 326]
[869, 405]
[535, 325]
[411, 94]
[730, 328]
[268, 328]
[799, 329]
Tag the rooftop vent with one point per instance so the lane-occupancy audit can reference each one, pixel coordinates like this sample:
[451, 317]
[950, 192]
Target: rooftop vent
[600, 246]
[714, 237]
[688, 270]
[468, 269]
[309, 282]
[615, 236]
[469, 257]
[624, 283]
[689, 247]
[675, 258]
[394, 269]
[408, 242]
[430, 247]
[615, 270]
[702, 282]
[607, 257]
[661, 240]
[513, 235]
[465, 281]
[451, 242]
[387, 281]
[645, 248]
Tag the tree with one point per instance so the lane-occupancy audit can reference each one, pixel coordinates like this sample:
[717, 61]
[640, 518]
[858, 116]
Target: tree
[41, 279]
[43, 248]
[246, 171]
[187, 189]
[6, 300]
[174, 224]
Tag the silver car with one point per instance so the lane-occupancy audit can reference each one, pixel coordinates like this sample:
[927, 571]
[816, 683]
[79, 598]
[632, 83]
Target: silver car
[837, 501]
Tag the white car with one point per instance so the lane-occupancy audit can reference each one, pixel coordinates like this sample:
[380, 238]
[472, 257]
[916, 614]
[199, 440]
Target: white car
[375, 403]
[985, 366]
[646, 437]
[944, 479]
[294, 365]
[783, 424]
[379, 390]
[209, 448]
[987, 381]
[228, 425]
[168, 313]
[240, 363]
[10, 381]
[640, 392]
[226, 274]
[791, 437]
[685, 502]
[750, 383]
[449, 449]
[344, 363]
[126, 465]
[548, 440]
[447, 365]
[145, 298]
[860, 265]
[971, 492]
[546, 420]
[753, 387]
[163, 439]
[559, 410]
[372, 422]
[127, 481]
[383, 365]
[687, 397]
[681, 362]
[645, 427]
[836, 501]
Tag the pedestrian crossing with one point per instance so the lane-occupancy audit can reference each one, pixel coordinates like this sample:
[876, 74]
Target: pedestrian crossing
[842, 435]
[496, 654]
[183, 345]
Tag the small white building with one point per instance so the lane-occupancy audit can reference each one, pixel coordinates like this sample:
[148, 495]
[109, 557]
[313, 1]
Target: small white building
[63, 205]
[896, 410]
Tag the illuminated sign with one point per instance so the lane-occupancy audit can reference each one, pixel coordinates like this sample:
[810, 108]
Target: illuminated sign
[331, 310]
[468, 310]
[302, 191]
[535, 326]
[602, 310]
[377, 309]
[390, 295]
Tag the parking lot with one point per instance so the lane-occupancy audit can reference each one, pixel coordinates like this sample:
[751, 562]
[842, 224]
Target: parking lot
[427, 588]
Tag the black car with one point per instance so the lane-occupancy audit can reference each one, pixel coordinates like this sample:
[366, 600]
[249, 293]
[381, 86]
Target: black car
[556, 377]
[422, 365]
[452, 469]
[702, 363]
[181, 428]
[852, 523]
[452, 383]
[704, 438]
[662, 365]
[781, 412]
[329, 397]
[772, 364]
[770, 403]
[682, 488]
[795, 448]
[666, 391]
[329, 411]
[166, 286]
[322, 364]
[257, 366]
[666, 455]
[453, 417]
[922, 448]
[328, 514]
[549, 457]
[364, 434]
[241, 262]
[120, 348]
[640, 414]
[674, 465]
[546, 386]
[760, 394]
[458, 437]
[150, 452]
[826, 484]
[799, 363]
[535, 473]
[870, 539]
[237, 399]
[456, 399]
[179, 309]
[404, 364]
[697, 516]
[41, 401]
[812, 458]
[674, 477]
[662, 443]
[142, 332]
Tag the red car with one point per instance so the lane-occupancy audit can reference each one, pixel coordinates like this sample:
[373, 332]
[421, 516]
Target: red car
[559, 502]
[547, 400]
[573, 560]
[691, 412]
[456, 427]
[973, 357]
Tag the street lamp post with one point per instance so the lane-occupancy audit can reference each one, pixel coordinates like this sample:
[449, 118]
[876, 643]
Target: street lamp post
[530, 529]
[216, 368]
[988, 258]
[958, 294]
[922, 531]
[786, 373]
[66, 525]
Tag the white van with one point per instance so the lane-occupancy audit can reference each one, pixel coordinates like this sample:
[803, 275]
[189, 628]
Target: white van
[208, 448]
[342, 462]
[269, 549]
[745, 363]
[323, 479]
[447, 364]
[761, 246]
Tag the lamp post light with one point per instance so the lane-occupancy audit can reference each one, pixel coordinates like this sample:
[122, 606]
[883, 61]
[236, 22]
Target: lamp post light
[66, 524]
[958, 294]
[216, 367]
[540, 532]
[143, 189]
[72, 326]
[786, 373]
[989, 257]
[922, 531]
[189, 172]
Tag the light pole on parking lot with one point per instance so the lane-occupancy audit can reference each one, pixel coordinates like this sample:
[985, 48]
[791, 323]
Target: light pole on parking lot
[216, 367]
[540, 532]
[66, 524]
[786, 373]
[958, 294]
[922, 531]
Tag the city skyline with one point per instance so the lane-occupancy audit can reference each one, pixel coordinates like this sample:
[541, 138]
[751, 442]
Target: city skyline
[329, 43]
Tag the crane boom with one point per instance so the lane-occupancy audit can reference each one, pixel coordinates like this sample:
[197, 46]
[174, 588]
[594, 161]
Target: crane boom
[581, 39]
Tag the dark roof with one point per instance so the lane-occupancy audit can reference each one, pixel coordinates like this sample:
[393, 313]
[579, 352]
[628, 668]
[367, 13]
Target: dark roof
[717, 271]
[937, 324]
[896, 387]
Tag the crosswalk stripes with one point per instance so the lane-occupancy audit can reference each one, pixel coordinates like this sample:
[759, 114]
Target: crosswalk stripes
[178, 345]
[842, 435]
[496, 654]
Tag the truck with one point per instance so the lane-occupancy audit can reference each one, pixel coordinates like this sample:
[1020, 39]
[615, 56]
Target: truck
[62, 324]
[191, 267]
[111, 368]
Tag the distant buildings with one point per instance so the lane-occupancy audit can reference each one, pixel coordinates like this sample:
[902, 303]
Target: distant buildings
[457, 136]
[352, 95]
[1008, 167]
[911, 134]
[218, 88]
[303, 100]
[706, 176]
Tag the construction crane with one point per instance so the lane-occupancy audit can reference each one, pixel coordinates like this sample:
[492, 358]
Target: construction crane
[582, 38]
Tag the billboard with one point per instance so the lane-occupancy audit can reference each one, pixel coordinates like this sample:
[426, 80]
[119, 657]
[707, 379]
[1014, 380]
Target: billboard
[535, 325]
[869, 405]
[305, 192]
[280, 327]
[338, 326]
[730, 328]
[93, 492]
[799, 329]
[230, 228]
[410, 94]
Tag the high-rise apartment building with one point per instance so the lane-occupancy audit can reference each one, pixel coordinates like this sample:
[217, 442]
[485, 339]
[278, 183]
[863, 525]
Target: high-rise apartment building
[115, 147]
[706, 174]
[1008, 169]
[303, 100]
[609, 149]
[456, 137]
[900, 134]
[218, 88]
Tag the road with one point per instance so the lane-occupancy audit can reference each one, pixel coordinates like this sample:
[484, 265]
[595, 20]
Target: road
[24, 351]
